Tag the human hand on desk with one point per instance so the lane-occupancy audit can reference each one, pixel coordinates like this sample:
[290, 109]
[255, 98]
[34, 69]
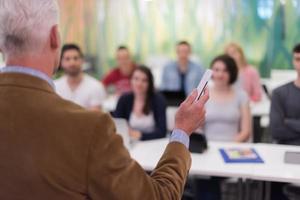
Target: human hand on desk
[136, 135]
[191, 113]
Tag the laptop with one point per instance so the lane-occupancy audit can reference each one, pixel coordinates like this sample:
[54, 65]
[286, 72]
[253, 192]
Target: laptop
[123, 130]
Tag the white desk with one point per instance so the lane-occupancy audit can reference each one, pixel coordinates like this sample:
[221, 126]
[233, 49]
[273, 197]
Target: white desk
[211, 163]
[274, 168]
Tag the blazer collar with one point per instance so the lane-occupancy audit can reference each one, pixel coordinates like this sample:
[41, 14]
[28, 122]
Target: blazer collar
[25, 81]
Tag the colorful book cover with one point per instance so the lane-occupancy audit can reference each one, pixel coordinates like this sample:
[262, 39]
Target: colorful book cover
[240, 155]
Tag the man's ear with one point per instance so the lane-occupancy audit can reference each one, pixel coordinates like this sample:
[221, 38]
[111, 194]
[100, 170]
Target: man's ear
[54, 38]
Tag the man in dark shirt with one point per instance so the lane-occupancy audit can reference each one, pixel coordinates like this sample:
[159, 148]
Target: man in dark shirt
[285, 108]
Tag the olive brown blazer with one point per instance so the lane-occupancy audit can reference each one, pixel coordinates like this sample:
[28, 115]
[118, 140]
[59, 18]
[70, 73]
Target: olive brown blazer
[52, 149]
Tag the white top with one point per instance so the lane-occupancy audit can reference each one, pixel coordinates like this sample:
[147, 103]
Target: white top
[145, 123]
[223, 118]
[89, 93]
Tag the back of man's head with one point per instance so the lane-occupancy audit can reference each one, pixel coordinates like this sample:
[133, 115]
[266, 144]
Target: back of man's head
[25, 25]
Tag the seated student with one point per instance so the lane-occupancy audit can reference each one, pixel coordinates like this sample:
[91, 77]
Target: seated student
[75, 85]
[285, 108]
[143, 108]
[249, 78]
[228, 115]
[285, 119]
[119, 77]
[182, 75]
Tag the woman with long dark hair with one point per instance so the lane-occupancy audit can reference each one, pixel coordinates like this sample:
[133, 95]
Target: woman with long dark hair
[143, 108]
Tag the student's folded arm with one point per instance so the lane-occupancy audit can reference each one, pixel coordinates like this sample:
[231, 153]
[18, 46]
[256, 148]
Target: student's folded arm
[279, 130]
[113, 174]
[293, 124]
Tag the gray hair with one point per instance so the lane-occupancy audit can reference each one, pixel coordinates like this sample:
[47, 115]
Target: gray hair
[26, 24]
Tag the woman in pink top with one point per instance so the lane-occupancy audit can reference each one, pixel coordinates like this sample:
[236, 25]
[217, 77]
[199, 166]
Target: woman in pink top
[248, 75]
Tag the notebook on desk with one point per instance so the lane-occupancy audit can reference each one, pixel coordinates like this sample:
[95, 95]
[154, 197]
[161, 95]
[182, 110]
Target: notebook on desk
[240, 155]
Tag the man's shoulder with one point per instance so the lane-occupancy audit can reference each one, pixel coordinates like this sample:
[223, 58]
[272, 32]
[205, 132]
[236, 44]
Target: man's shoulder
[281, 90]
[171, 64]
[251, 70]
[196, 66]
[60, 80]
[114, 71]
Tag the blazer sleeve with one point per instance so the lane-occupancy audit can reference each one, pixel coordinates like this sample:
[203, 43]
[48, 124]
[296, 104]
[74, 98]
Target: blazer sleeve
[112, 174]
[159, 110]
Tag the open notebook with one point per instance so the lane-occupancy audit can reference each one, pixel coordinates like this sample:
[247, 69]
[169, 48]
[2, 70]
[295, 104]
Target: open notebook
[240, 155]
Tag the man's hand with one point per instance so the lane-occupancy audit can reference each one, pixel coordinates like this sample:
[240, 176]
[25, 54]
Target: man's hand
[191, 114]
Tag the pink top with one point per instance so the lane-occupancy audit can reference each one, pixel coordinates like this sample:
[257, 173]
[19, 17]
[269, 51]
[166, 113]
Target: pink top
[250, 81]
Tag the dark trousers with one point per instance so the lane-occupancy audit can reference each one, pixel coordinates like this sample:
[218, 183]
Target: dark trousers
[208, 189]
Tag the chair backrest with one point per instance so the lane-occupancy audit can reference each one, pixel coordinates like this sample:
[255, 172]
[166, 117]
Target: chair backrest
[281, 77]
[123, 131]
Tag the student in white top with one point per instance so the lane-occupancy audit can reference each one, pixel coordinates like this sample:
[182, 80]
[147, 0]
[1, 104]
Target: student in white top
[143, 108]
[75, 85]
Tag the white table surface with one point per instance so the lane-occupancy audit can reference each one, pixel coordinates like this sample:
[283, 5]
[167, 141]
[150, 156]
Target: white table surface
[211, 163]
[274, 168]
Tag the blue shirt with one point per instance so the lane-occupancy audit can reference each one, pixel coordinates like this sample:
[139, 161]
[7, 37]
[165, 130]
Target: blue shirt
[171, 77]
[181, 137]
[177, 135]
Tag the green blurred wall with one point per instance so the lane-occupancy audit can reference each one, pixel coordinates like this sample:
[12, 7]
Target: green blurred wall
[266, 29]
